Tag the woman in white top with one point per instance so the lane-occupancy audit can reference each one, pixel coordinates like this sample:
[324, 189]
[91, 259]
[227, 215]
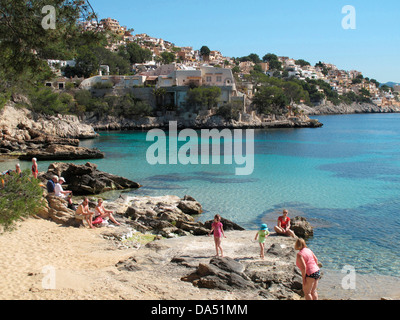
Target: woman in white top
[60, 192]
[103, 213]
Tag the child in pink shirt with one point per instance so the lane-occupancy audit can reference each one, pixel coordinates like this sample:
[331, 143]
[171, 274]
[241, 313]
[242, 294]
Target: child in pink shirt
[218, 230]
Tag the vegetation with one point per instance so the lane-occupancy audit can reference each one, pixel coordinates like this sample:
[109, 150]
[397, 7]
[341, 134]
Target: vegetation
[20, 197]
[205, 53]
[230, 111]
[25, 44]
[203, 97]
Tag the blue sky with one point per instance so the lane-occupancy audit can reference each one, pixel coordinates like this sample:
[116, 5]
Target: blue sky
[307, 29]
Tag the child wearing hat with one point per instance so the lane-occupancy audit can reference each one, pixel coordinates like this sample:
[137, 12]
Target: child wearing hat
[262, 235]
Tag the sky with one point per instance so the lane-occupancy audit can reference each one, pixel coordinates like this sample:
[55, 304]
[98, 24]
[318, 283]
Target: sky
[308, 29]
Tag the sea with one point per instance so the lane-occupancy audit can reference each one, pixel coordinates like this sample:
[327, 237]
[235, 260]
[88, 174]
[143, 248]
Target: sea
[344, 178]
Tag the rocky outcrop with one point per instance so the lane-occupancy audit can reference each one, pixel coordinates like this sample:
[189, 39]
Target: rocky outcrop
[227, 224]
[169, 216]
[87, 179]
[301, 227]
[56, 209]
[330, 108]
[197, 122]
[62, 152]
[17, 120]
[29, 135]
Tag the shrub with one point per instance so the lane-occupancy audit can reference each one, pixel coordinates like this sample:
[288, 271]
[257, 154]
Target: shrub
[45, 101]
[20, 196]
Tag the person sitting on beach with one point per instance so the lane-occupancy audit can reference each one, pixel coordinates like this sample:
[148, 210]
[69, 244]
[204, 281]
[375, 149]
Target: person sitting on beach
[83, 212]
[60, 192]
[35, 170]
[262, 235]
[307, 262]
[51, 184]
[104, 214]
[283, 226]
[218, 230]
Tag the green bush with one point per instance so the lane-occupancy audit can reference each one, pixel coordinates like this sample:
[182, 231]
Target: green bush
[20, 196]
[103, 85]
[45, 100]
[230, 111]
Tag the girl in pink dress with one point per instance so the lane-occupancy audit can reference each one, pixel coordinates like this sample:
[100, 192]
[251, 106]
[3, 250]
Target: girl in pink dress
[218, 230]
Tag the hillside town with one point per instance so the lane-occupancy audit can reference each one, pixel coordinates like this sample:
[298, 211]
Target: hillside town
[191, 67]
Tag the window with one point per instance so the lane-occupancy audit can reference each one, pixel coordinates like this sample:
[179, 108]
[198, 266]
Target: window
[208, 79]
[219, 79]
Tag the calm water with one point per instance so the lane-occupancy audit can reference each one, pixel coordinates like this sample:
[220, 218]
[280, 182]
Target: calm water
[344, 178]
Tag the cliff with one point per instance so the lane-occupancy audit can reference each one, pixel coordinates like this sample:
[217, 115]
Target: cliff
[28, 135]
[13, 118]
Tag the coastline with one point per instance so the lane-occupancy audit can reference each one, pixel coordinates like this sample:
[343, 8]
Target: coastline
[341, 109]
[361, 294]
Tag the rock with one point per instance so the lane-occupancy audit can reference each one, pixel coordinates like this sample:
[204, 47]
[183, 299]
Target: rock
[195, 228]
[280, 250]
[228, 225]
[301, 227]
[222, 274]
[119, 234]
[191, 207]
[23, 131]
[62, 152]
[163, 215]
[86, 179]
[59, 212]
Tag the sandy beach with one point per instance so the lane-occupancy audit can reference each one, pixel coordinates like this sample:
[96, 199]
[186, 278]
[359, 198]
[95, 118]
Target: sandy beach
[84, 265]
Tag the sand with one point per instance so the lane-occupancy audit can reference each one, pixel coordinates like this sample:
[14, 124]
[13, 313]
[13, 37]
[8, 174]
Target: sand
[84, 265]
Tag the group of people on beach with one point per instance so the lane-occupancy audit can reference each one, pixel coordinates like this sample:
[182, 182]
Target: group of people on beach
[100, 216]
[306, 260]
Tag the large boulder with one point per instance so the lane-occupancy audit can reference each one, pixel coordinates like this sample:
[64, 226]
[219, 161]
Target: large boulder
[227, 225]
[221, 274]
[191, 207]
[59, 212]
[86, 179]
[301, 227]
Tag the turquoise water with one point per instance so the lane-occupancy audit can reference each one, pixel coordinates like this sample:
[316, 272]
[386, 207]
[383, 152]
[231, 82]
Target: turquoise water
[344, 178]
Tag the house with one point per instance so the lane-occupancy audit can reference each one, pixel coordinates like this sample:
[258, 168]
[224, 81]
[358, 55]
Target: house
[57, 65]
[179, 82]
[60, 83]
[113, 25]
[124, 82]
